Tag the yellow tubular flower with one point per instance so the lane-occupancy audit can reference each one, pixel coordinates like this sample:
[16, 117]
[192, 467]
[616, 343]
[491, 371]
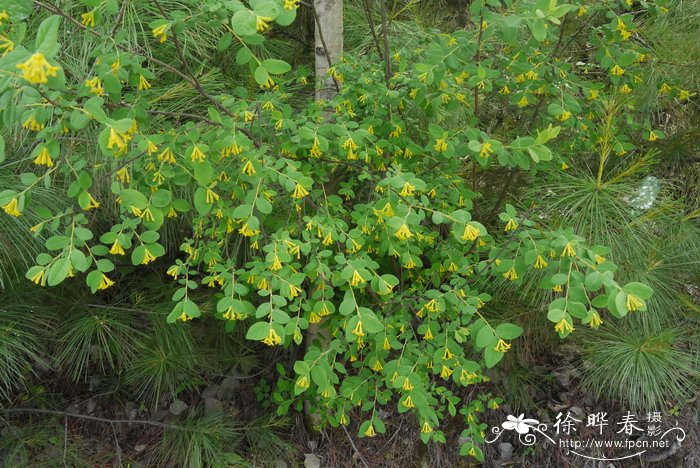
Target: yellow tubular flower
[44, 158]
[117, 249]
[356, 280]
[617, 71]
[595, 321]
[211, 196]
[370, 431]
[229, 314]
[167, 156]
[273, 339]
[173, 271]
[428, 335]
[470, 233]
[197, 155]
[511, 274]
[88, 19]
[440, 145]
[143, 83]
[105, 282]
[123, 175]
[261, 23]
[408, 402]
[486, 150]
[37, 70]
[39, 278]
[599, 259]
[248, 168]
[563, 326]
[147, 258]
[540, 262]
[568, 250]
[427, 428]
[511, 225]
[7, 46]
[314, 318]
[161, 32]
[523, 102]
[299, 191]
[407, 190]
[116, 139]
[501, 346]
[403, 233]
[445, 372]
[184, 317]
[151, 148]
[634, 303]
[293, 291]
[357, 331]
[92, 203]
[377, 366]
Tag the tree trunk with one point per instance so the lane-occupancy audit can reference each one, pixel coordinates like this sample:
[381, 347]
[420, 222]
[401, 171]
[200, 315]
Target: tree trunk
[329, 44]
[328, 15]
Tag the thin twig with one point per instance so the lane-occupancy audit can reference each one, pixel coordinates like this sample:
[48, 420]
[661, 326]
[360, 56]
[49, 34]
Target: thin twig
[370, 22]
[116, 442]
[357, 452]
[91, 418]
[385, 36]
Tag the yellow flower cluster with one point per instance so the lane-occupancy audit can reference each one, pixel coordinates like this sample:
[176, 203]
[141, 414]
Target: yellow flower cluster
[37, 69]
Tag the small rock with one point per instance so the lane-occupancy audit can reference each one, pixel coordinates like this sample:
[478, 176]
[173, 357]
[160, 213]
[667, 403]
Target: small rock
[159, 415]
[210, 391]
[505, 450]
[212, 405]
[90, 406]
[578, 412]
[311, 460]
[177, 407]
[228, 388]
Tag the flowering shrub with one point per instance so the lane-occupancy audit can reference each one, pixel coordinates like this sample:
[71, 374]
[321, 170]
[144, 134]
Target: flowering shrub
[360, 215]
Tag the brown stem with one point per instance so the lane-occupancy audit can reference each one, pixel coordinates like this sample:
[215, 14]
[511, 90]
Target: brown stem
[385, 35]
[370, 22]
[91, 418]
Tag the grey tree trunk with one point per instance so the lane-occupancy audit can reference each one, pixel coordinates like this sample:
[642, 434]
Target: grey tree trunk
[329, 44]
[328, 49]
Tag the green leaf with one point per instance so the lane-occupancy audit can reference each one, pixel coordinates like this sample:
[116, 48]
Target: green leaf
[243, 23]
[485, 336]
[261, 76]
[593, 281]
[47, 36]
[640, 290]
[276, 67]
[508, 331]
[59, 271]
[131, 197]
[538, 29]
[492, 357]
[17, 9]
[258, 331]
